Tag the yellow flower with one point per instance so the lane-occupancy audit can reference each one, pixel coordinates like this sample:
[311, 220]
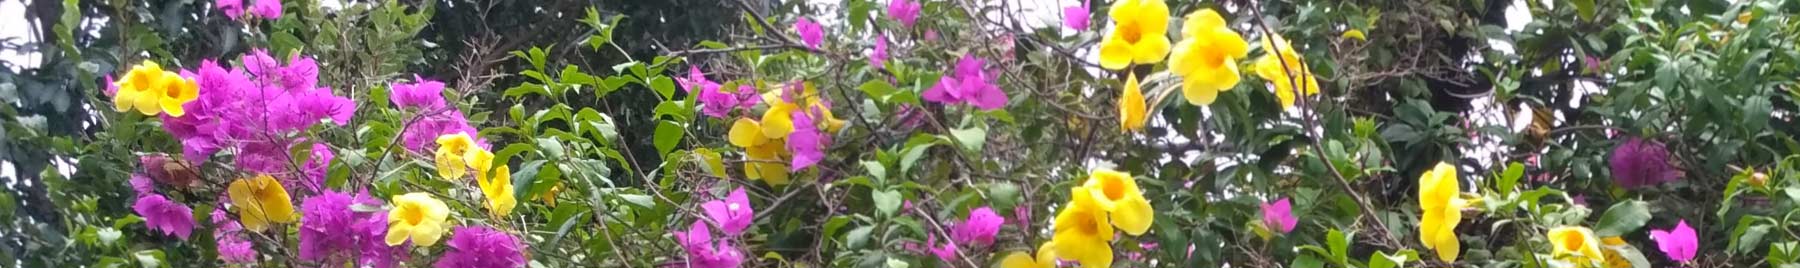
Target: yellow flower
[150, 90]
[1139, 34]
[1046, 258]
[763, 153]
[1082, 233]
[498, 190]
[778, 121]
[261, 201]
[451, 153]
[1131, 106]
[1576, 244]
[549, 196]
[1442, 211]
[1207, 57]
[1117, 193]
[481, 160]
[765, 163]
[1271, 69]
[1614, 248]
[419, 217]
[1354, 34]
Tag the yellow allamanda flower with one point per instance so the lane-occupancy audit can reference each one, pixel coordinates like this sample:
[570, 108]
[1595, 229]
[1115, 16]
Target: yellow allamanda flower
[1132, 110]
[1270, 68]
[549, 196]
[1442, 211]
[418, 217]
[1046, 258]
[150, 90]
[1139, 34]
[1576, 244]
[1118, 195]
[1613, 248]
[1207, 57]
[261, 201]
[451, 153]
[497, 187]
[498, 190]
[1081, 232]
[763, 153]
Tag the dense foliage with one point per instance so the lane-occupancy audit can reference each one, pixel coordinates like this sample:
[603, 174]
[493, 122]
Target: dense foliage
[901, 133]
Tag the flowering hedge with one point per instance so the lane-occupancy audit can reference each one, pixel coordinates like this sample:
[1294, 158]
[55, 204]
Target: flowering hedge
[934, 133]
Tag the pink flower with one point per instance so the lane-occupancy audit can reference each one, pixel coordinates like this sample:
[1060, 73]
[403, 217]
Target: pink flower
[733, 214]
[422, 93]
[1679, 243]
[482, 247]
[979, 228]
[267, 9]
[111, 89]
[1279, 215]
[142, 184]
[1638, 163]
[167, 216]
[232, 8]
[805, 142]
[945, 251]
[236, 250]
[969, 84]
[1076, 17]
[905, 11]
[232, 247]
[810, 33]
[879, 57]
[703, 252]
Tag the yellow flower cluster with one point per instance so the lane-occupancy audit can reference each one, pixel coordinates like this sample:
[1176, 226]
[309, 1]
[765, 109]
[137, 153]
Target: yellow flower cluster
[1206, 59]
[1084, 229]
[150, 90]
[1442, 211]
[457, 154]
[765, 141]
[260, 202]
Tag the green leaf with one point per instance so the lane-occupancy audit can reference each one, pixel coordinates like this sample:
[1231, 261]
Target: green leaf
[1339, 242]
[643, 201]
[1004, 195]
[663, 86]
[1585, 8]
[856, 237]
[1510, 178]
[1622, 218]
[1384, 260]
[914, 151]
[877, 89]
[668, 134]
[886, 201]
[970, 138]
[897, 263]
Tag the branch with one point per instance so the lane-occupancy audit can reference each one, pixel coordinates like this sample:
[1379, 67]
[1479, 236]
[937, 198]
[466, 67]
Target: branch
[1310, 116]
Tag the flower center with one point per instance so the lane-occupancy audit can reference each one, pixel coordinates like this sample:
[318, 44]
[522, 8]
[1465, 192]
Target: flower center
[1113, 188]
[731, 206]
[1573, 242]
[412, 215]
[1129, 30]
